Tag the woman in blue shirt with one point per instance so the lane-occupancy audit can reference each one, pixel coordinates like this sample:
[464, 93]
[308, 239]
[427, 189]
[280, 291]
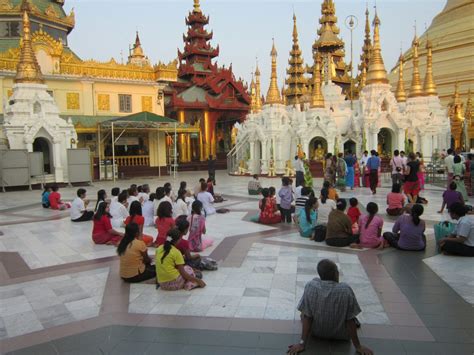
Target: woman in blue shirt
[307, 218]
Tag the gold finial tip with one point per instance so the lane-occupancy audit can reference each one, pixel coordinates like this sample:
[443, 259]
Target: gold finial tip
[197, 6]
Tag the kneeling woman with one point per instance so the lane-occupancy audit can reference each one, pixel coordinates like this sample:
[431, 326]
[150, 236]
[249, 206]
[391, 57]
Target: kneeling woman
[268, 209]
[102, 232]
[408, 231]
[171, 272]
[135, 264]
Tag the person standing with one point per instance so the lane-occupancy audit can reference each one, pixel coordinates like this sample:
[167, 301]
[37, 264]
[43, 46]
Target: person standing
[286, 198]
[211, 168]
[373, 165]
[449, 163]
[363, 169]
[299, 169]
[330, 170]
[350, 173]
[397, 168]
[411, 187]
[458, 176]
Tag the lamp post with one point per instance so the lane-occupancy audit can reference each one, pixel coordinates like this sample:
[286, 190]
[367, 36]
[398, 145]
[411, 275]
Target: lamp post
[351, 23]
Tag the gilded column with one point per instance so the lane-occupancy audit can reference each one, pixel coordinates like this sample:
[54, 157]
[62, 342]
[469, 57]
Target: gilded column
[182, 143]
[207, 135]
[188, 145]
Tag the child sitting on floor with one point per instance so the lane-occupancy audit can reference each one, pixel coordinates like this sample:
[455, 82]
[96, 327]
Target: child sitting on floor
[45, 196]
[395, 201]
[197, 227]
[354, 213]
[54, 199]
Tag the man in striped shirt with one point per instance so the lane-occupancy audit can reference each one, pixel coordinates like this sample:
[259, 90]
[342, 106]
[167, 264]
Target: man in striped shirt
[301, 201]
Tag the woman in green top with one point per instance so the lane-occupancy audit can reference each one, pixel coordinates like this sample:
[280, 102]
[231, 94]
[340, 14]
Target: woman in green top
[308, 176]
[459, 169]
[171, 272]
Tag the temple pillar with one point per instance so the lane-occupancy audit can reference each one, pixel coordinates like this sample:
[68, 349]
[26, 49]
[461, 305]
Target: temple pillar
[207, 135]
[374, 140]
[401, 139]
[202, 156]
[426, 142]
[251, 162]
[58, 168]
[264, 161]
[182, 143]
[279, 161]
[188, 145]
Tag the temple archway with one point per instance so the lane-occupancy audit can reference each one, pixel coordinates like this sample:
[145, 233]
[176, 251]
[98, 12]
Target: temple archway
[350, 145]
[385, 140]
[43, 145]
[318, 147]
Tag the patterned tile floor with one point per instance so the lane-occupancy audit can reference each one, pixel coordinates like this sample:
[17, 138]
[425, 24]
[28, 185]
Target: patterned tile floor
[57, 288]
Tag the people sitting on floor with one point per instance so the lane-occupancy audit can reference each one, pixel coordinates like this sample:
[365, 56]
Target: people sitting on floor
[197, 227]
[132, 195]
[180, 206]
[102, 231]
[339, 227]
[254, 186]
[269, 213]
[450, 197]
[161, 196]
[332, 193]
[135, 264]
[148, 212]
[307, 217]
[169, 191]
[395, 201]
[193, 260]
[300, 202]
[354, 213]
[298, 190]
[79, 212]
[164, 222]
[210, 188]
[114, 193]
[55, 202]
[45, 196]
[197, 188]
[408, 233]
[326, 206]
[370, 229]
[119, 210]
[101, 197]
[171, 271]
[461, 242]
[137, 218]
[206, 199]
[143, 193]
[328, 310]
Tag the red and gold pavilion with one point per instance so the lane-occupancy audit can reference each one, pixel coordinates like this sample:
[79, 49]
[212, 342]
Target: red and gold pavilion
[205, 95]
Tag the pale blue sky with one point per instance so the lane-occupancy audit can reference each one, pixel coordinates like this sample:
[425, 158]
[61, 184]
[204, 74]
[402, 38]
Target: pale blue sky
[243, 29]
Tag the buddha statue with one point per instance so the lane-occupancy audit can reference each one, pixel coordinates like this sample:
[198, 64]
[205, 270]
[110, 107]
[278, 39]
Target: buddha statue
[271, 168]
[319, 153]
[289, 171]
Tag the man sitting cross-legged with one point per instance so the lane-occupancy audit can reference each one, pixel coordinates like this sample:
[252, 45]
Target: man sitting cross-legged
[328, 310]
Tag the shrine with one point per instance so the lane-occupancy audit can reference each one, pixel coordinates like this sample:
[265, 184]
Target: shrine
[206, 95]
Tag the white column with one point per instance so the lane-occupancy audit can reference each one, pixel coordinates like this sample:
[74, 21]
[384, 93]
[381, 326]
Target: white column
[426, 145]
[401, 139]
[279, 159]
[58, 168]
[265, 152]
[375, 139]
[251, 162]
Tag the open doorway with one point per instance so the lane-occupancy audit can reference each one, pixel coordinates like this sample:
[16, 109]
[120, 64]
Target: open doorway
[43, 145]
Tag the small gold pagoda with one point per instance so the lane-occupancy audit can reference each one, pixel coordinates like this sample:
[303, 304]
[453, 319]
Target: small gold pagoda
[273, 94]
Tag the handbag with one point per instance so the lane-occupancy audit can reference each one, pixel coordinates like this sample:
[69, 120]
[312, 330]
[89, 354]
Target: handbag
[443, 229]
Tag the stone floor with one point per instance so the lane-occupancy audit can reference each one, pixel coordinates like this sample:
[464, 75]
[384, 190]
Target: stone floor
[61, 294]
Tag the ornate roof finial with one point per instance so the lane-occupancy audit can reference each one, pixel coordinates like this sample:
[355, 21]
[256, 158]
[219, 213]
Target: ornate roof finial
[376, 73]
[366, 48]
[429, 88]
[28, 69]
[253, 96]
[197, 6]
[258, 93]
[317, 98]
[416, 88]
[296, 81]
[273, 94]
[400, 94]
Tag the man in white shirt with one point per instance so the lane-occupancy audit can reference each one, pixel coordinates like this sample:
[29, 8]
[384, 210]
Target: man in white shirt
[299, 170]
[143, 193]
[461, 242]
[79, 212]
[397, 168]
[363, 164]
[449, 163]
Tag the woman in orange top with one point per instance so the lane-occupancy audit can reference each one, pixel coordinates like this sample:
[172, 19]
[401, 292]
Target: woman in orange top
[136, 217]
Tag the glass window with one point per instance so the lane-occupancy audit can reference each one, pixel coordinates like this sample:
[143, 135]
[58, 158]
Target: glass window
[125, 103]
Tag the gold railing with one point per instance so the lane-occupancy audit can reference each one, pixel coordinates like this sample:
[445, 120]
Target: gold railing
[135, 160]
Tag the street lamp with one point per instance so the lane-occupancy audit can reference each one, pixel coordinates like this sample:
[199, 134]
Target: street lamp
[351, 23]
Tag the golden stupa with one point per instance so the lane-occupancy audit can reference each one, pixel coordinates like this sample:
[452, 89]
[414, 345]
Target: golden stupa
[452, 37]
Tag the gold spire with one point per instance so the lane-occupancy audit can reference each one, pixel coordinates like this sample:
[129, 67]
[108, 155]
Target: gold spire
[273, 94]
[253, 96]
[317, 98]
[283, 94]
[429, 88]
[258, 92]
[468, 113]
[137, 48]
[28, 69]
[456, 117]
[416, 88]
[296, 81]
[400, 94]
[363, 79]
[366, 48]
[197, 6]
[376, 73]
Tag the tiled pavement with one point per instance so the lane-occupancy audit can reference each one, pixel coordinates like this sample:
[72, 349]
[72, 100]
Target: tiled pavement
[75, 303]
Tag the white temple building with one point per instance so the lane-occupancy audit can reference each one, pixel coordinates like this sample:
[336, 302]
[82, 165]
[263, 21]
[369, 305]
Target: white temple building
[31, 116]
[320, 117]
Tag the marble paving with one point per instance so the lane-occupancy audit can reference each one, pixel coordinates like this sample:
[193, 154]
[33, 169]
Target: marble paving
[457, 272]
[32, 306]
[268, 285]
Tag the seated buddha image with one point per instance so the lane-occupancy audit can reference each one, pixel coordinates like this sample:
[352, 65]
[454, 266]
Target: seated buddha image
[319, 153]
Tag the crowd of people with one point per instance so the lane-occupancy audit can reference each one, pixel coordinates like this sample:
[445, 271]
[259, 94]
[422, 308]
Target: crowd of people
[180, 221]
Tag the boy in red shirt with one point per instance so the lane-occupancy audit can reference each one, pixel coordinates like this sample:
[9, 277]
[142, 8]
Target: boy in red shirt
[354, 213]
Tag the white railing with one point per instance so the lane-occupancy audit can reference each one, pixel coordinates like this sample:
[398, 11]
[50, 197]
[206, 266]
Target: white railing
[236, 154]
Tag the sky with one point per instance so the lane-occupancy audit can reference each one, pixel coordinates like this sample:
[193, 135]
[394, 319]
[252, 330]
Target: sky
[243, 29]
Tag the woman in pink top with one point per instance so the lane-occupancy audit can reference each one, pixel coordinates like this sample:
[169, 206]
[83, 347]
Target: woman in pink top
[395, 201]
[197, 227]
[370, 227]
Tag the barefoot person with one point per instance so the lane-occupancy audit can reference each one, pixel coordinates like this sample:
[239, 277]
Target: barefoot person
[328, 310]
